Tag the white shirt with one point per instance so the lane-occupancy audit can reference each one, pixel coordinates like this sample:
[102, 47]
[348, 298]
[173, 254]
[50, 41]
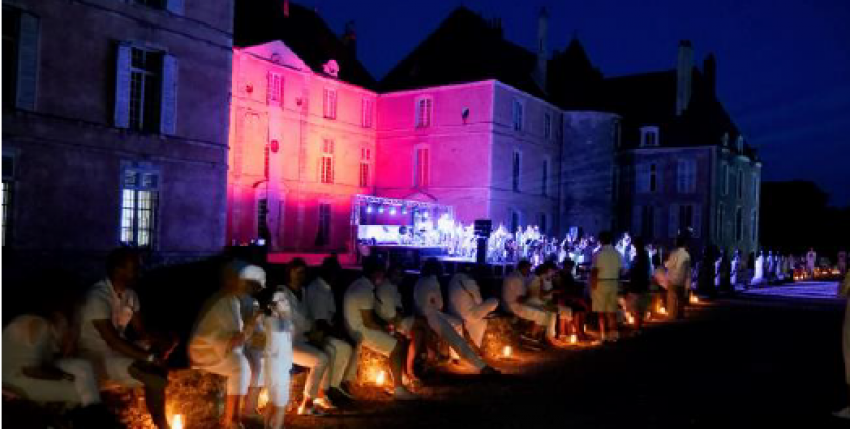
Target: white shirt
[513, 288]
[388, 301]
[219, 322]
[103, 303]
[28, 341]
[427, 296]
[463, 294]
[320, 302]
[301, 322]
[679, 267]
[608, 263]
[359, 297]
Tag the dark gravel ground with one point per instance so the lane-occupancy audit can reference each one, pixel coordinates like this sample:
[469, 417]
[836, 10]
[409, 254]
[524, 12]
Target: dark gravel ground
[744, 362]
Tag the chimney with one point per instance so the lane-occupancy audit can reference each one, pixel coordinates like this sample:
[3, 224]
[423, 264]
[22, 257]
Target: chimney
[542, 52]
[349, 38]
[709, 69]
[684, 73]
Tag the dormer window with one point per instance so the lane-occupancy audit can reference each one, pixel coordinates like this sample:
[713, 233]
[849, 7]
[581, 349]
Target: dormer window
[725, 140]
[739, 143]
[649, 136]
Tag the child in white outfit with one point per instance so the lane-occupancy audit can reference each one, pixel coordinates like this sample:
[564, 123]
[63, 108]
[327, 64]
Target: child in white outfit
[278, 357]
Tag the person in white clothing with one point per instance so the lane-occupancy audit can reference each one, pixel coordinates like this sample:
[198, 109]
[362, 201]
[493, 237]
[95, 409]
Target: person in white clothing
[811, 260]
[604, 287]
[541, 295]
[108, 308]
[37, 363]
[678, 279]
[514, 296]
[220, 338]
[277, 357]
[359, 306]
[321, 310]
[465, 302]
[428, 300]
[390, 309]
[307, 344]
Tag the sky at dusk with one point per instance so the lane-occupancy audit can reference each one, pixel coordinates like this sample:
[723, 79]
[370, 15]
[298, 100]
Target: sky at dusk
[783, 66]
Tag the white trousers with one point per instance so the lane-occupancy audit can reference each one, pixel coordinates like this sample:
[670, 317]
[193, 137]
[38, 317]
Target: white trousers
[242, 368]
[328, 366]
[541, 317]
[83, 390]
[450, 329]
[473, 319]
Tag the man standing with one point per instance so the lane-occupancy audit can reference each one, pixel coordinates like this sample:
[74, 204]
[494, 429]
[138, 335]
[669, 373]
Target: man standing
[811, 258]
[678, 278]
[604, 284]
[108, 308]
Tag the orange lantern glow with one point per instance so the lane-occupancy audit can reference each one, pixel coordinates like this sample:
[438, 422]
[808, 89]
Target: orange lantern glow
[177, 422]
[507, 351]
[381, 378]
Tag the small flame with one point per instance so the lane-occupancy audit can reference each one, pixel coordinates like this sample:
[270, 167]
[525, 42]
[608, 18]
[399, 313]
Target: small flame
[507, 351]
[381, 378]
[263, 399]
[573, 338]
[694, 299]
[177, 422]
[662, 310]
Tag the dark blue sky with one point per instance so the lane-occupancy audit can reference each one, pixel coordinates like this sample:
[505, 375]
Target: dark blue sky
[783, 66]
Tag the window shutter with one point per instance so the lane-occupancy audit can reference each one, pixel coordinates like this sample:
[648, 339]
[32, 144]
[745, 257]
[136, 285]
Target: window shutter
[174, 6]
[27, 63]
[636, 220]
[697, 220]
[122, 86]
[168, 110]
[673, 225]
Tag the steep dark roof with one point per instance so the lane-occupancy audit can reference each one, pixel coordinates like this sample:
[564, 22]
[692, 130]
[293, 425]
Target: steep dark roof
[303, 31]
[650, 99]
[465, 48]
[573, 81]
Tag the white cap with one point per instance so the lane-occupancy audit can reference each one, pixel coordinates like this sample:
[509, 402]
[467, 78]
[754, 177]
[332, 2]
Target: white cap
[253, 273]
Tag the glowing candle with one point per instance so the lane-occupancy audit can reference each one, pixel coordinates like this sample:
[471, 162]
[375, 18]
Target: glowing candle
[507, 351]
[574, 338]
[694, 299]
[662, 310]
[263, 399]
[177, 422]
[382, 376]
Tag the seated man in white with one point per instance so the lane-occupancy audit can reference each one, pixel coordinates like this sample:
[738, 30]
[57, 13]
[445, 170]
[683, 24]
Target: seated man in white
[465, 302]
[541, 295]
[359, 306]
[514, 295]
[308, 345]
[37, 366]
[390, 310]
[321, 310]
[428, 299]
[218, 341]
[109, 306]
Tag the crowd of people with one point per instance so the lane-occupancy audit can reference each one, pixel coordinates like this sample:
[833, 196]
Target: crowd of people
[253, 331]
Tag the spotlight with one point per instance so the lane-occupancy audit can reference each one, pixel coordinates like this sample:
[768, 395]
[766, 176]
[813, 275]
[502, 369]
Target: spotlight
[392, 210]
[425, 214]
[381, 209]
[404, 210]
[369, 209]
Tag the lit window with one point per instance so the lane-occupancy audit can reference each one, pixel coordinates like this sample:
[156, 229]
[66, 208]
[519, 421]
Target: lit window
[515, 172]
[327, 167]
[145, 89]
[725, 140]
[518, 115]
[424, 108]
[649, 136]
[365, 159]
[329, 104]
[421, 165]
[547, 125]
[274, 90]
[739, 144]
[368, 107]
[139, 203]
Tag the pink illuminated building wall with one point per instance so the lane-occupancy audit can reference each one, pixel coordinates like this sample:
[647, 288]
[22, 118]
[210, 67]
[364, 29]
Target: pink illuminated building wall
[301, 144]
